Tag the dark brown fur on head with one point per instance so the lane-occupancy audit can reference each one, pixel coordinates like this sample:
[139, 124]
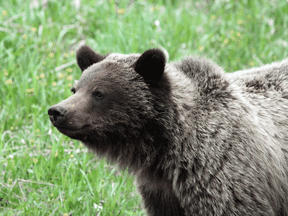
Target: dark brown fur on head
[199, 141]
[114, 106]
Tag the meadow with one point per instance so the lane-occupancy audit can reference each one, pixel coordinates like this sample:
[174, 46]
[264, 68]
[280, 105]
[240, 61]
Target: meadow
[42, 172]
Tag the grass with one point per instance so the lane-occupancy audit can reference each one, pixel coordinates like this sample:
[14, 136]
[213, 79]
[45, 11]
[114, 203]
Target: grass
[46, 173]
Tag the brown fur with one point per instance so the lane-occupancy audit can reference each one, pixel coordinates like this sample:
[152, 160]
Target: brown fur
[199, 141]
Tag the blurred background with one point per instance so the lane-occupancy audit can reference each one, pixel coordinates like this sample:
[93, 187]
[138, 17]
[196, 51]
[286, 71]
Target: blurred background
[45, 173]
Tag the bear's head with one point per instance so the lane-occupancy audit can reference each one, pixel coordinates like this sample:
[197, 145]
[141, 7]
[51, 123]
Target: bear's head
[119, 99]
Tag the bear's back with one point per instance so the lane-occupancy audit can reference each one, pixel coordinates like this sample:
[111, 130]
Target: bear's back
[266, 88]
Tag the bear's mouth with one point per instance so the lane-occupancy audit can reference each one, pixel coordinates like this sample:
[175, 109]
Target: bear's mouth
[71, 130]
[75, 133]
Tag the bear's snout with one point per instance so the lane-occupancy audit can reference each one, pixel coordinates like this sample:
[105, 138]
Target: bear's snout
[56, 114]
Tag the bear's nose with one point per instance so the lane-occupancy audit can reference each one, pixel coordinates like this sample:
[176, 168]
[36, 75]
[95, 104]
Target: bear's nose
[56, 114]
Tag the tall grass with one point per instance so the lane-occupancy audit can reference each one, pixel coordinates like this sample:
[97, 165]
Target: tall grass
[45, 173]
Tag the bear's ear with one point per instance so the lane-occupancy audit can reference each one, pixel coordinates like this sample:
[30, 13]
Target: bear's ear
[150, 65]
[86, 57]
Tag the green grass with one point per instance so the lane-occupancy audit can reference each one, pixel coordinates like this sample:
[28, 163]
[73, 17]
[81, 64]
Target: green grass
[45, 173]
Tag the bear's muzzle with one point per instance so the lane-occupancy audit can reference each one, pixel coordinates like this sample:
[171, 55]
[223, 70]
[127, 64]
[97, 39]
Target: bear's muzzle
[56, 114]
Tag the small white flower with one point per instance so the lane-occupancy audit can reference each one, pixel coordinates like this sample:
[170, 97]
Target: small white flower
[157, 22]
[98, 207]
[270, 22]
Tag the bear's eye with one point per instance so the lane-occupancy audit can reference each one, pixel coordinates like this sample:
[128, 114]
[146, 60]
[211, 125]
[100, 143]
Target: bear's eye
[73, 90]
[98, 94]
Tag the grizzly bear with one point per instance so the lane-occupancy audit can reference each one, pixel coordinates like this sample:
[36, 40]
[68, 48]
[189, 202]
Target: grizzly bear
[199, 141]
